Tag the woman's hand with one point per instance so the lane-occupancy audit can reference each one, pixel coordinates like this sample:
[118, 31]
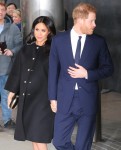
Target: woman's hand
[10, 96]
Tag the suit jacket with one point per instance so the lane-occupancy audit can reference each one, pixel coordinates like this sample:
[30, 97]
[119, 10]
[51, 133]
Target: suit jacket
[95, 58]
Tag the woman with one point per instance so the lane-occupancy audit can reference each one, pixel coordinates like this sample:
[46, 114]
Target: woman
[17, 18]
[29, 77]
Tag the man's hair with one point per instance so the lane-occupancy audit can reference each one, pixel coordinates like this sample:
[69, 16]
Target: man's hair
[82, 10]
[12, 4]
[3, 4]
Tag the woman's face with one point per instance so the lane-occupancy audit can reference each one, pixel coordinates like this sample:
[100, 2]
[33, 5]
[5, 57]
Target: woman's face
[16, 18]
[41, 32]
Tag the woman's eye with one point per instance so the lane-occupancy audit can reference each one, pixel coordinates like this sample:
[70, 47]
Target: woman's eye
[43, 30]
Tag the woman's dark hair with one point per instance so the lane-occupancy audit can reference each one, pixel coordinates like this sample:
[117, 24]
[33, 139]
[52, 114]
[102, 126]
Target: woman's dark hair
[51, 27]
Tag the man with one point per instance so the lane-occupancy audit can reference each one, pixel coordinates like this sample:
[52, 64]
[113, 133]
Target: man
[9, 15]
[78, 59]
[9, 34]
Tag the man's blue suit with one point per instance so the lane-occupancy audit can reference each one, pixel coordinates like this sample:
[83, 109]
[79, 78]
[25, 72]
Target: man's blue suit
[96, 59]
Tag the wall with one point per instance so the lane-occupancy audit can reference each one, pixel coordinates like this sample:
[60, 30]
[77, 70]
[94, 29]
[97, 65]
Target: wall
[17, 2]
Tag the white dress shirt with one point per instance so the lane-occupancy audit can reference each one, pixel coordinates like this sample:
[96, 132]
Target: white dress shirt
[74, 40]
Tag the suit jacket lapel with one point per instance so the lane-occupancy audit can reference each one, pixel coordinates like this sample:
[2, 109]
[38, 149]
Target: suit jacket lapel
[69, 47]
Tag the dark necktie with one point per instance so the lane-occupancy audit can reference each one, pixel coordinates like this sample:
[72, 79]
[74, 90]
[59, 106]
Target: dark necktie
[78, 50]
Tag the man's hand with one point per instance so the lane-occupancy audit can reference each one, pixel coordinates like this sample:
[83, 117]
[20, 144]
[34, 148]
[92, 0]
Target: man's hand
[78, 72]
[53, 104]
[8, 52]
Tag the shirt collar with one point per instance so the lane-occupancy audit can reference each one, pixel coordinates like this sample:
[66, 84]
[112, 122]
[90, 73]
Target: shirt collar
[76, 35]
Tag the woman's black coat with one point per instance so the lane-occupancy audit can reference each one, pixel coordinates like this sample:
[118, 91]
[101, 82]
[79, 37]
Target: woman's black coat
[29, 77]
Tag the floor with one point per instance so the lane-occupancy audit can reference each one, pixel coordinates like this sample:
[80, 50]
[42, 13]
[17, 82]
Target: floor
[111, 122]
[111, 127]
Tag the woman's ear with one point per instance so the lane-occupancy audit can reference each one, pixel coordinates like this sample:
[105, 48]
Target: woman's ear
[50, 34]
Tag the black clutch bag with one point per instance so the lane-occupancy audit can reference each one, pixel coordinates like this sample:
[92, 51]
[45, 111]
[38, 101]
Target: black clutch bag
[14, 101]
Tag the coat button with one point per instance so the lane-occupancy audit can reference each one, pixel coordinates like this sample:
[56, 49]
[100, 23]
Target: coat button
[37, 47]
[33, 58]
[30, 82]
[24, 81]
[28, 69]
[23, 94]
[28, 94]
